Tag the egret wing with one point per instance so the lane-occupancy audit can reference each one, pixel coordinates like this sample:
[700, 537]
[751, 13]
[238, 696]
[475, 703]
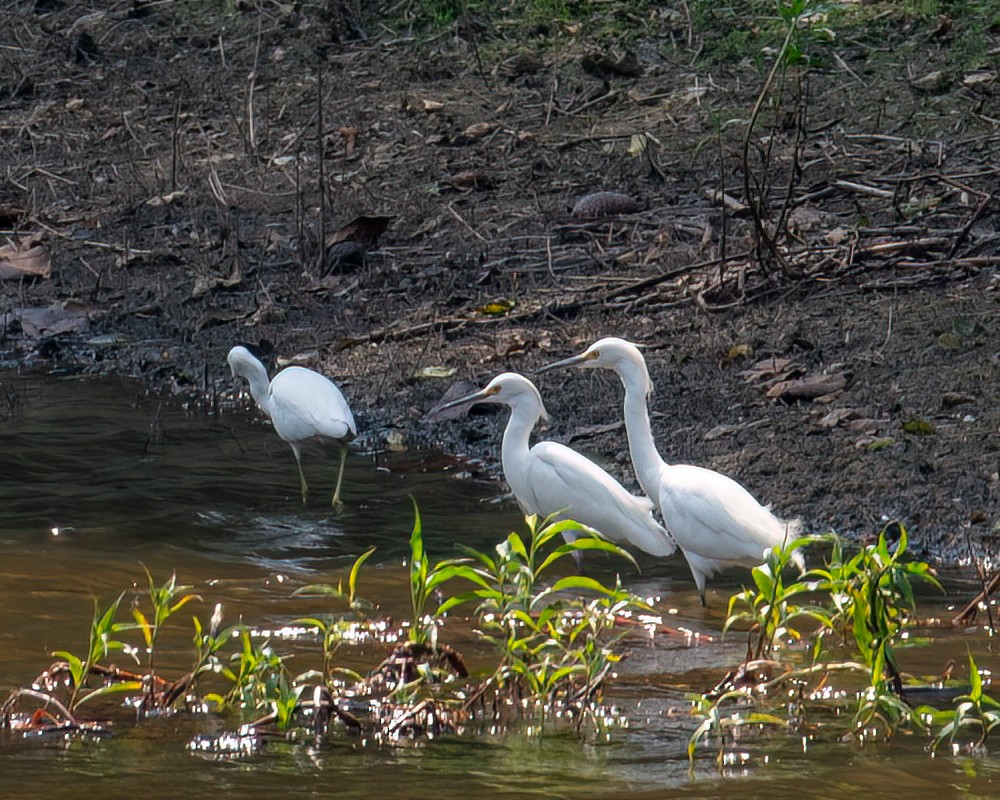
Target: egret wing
[305, 404]
[560, 478]
[714, 517]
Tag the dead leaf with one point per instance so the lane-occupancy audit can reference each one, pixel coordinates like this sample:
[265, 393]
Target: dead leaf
[838, 235]
[771, 368]
[833, 417]
[74, 104]
[931, 82]
[952, 399]
[604, 204]
[51, 321]
[720, 431]
[434, 372]
[497, 308]
[430, 106]
[808, 388]
[472, 179]
[804, 218]
[479, 129]
[350, 134]
[869, 426]
[978, 80]
[25, 259]
[166, 199]
[363, 230]
[440, 414]
[203, 284]
[590, 431]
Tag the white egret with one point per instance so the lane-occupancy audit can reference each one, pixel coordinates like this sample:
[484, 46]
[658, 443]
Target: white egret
[302, 404]
[714, 520]
[551, 478]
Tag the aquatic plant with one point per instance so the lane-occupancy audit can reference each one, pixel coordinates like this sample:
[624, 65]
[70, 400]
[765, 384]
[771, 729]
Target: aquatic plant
[768, 606]
[976, 712]
[104, 631]
[552, 642]
[166, 599]
[334, 628]
[867, 599]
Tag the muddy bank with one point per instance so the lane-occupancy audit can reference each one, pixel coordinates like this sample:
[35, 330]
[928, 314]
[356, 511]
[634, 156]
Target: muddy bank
[164, 170]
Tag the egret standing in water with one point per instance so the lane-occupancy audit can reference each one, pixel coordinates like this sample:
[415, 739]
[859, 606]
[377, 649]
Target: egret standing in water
[714, 520]
[302, 404]
[551, 478]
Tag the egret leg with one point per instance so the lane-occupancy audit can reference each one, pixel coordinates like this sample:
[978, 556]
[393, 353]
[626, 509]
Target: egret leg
[340, 476]
[302, 475]
[570, 537]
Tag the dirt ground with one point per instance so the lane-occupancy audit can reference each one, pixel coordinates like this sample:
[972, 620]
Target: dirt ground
[162, 165]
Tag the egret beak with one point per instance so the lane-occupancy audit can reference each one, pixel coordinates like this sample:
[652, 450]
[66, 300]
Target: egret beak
[572, 361]
[470, 399]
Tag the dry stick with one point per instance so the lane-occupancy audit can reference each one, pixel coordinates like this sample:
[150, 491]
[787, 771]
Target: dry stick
[724, 232]
[968, 612]
[251, 86]
[964, 233]
[800, 126]
[36, 695]
[756, 205]
[548, 309]
[473, 231]
[175, 143]
[299, 210]
[552, 100]
[321, 258]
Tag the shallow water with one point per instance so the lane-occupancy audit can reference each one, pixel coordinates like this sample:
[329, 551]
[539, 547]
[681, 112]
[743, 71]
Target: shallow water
[97, 479]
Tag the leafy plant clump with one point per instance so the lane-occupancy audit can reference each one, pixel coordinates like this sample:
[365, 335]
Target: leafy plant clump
[555, 637]
[848, 618]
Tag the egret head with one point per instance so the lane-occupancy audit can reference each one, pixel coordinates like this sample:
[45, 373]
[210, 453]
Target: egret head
[608, 353]
[508, 388]
[238, 358]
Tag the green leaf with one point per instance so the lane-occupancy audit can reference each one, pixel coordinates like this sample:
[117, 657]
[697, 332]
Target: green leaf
[581, 545]
[580, 583]
[352, 581]
[467, 597]
[111, 688]
[144, 626]
[320, 589]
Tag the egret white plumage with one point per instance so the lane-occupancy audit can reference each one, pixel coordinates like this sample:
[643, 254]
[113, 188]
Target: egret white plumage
[302, 404]
[715, 521]
[551, 478]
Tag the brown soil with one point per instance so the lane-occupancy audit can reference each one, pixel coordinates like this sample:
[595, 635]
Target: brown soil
[166, 159]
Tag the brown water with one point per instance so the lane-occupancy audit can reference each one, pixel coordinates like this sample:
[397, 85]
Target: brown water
[96, 479]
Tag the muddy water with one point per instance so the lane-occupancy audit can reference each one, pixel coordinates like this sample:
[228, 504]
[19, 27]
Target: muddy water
[96, 480]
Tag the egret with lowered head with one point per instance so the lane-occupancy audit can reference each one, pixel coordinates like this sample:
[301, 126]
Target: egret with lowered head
[551, 478]
[714, 520]
[302, 404]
